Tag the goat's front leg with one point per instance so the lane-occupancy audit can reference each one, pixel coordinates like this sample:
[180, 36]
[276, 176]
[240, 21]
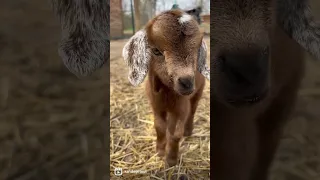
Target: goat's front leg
[160, 125]
[271, 125]
[175, 131]
[188, 127]
[235, 144]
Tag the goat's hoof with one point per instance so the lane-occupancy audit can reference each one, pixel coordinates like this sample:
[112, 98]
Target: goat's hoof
[183, 177]
[161, 152]
[171, 161]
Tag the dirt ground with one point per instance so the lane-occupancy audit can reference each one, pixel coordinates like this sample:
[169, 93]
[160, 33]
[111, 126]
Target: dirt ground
[298, 156]
[52, 124]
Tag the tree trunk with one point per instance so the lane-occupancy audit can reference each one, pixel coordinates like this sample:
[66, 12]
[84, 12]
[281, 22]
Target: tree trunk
[137, 15]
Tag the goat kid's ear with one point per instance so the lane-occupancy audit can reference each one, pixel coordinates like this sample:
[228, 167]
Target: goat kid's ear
[137, 56]
[202, 64]
[84, 47]
[195, 13]
[295, 18]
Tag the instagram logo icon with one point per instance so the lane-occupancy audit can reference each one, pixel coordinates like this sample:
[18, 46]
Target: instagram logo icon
[118, 171]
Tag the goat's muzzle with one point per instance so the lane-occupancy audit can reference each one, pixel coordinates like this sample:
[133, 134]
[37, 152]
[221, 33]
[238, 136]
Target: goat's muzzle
[185, 85]
[244, 77]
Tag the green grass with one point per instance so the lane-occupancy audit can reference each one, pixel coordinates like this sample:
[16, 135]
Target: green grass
[128, 31]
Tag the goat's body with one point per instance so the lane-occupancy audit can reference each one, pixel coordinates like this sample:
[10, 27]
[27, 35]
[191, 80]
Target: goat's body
[173, 113]
[245, 140]
[172, 50]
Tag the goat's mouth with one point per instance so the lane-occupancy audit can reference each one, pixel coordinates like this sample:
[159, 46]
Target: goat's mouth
[185, 92]
[247, 101]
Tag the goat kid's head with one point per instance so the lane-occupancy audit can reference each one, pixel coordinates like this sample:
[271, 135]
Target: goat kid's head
[240, 51]
[174, 44]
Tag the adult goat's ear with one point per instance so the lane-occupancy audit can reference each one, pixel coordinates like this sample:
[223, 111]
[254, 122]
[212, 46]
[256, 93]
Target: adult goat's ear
[137, 56]
[202, 64]
[85, 44]
[295, 18]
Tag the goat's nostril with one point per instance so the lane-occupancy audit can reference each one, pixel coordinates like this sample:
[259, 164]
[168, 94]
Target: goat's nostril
[236, 75]
[242, 68]
[186, 83]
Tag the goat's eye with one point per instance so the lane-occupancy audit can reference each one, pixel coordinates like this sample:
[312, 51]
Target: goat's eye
[156, 52]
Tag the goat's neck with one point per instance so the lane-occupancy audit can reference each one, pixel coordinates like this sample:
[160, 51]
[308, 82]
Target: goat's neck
[157, 84]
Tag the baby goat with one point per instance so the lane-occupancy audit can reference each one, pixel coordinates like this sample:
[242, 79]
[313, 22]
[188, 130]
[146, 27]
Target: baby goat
[257, 68]
[171, 50]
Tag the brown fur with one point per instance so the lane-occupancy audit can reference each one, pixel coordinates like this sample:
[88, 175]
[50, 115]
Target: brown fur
[174, 54]
[180, 50]
[245, 138]
[172, 110]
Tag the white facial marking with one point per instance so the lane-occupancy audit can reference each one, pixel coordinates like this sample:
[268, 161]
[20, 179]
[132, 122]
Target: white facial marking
[185, 18]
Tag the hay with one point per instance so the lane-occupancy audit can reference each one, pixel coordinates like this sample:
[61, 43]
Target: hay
[132, 134]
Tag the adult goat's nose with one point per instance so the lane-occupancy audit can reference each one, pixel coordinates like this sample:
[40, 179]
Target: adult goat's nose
[245, 68]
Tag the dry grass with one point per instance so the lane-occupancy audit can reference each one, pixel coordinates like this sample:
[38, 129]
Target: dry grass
[132, 134]
[298, 155]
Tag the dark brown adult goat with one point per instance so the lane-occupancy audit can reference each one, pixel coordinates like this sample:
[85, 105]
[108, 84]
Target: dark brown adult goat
[256, 72]
[85, 43]
[171, 50]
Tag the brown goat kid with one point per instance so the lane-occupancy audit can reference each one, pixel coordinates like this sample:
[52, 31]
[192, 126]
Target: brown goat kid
[170, 48]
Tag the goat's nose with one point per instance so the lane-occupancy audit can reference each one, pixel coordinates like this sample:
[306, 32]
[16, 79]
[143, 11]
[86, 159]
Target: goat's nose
[245, 68]
[186, 83]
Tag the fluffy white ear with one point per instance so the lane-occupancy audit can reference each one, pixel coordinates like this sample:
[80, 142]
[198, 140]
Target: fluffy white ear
[202, 65]
[296, 19]
[85, 44]
[137, 55]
